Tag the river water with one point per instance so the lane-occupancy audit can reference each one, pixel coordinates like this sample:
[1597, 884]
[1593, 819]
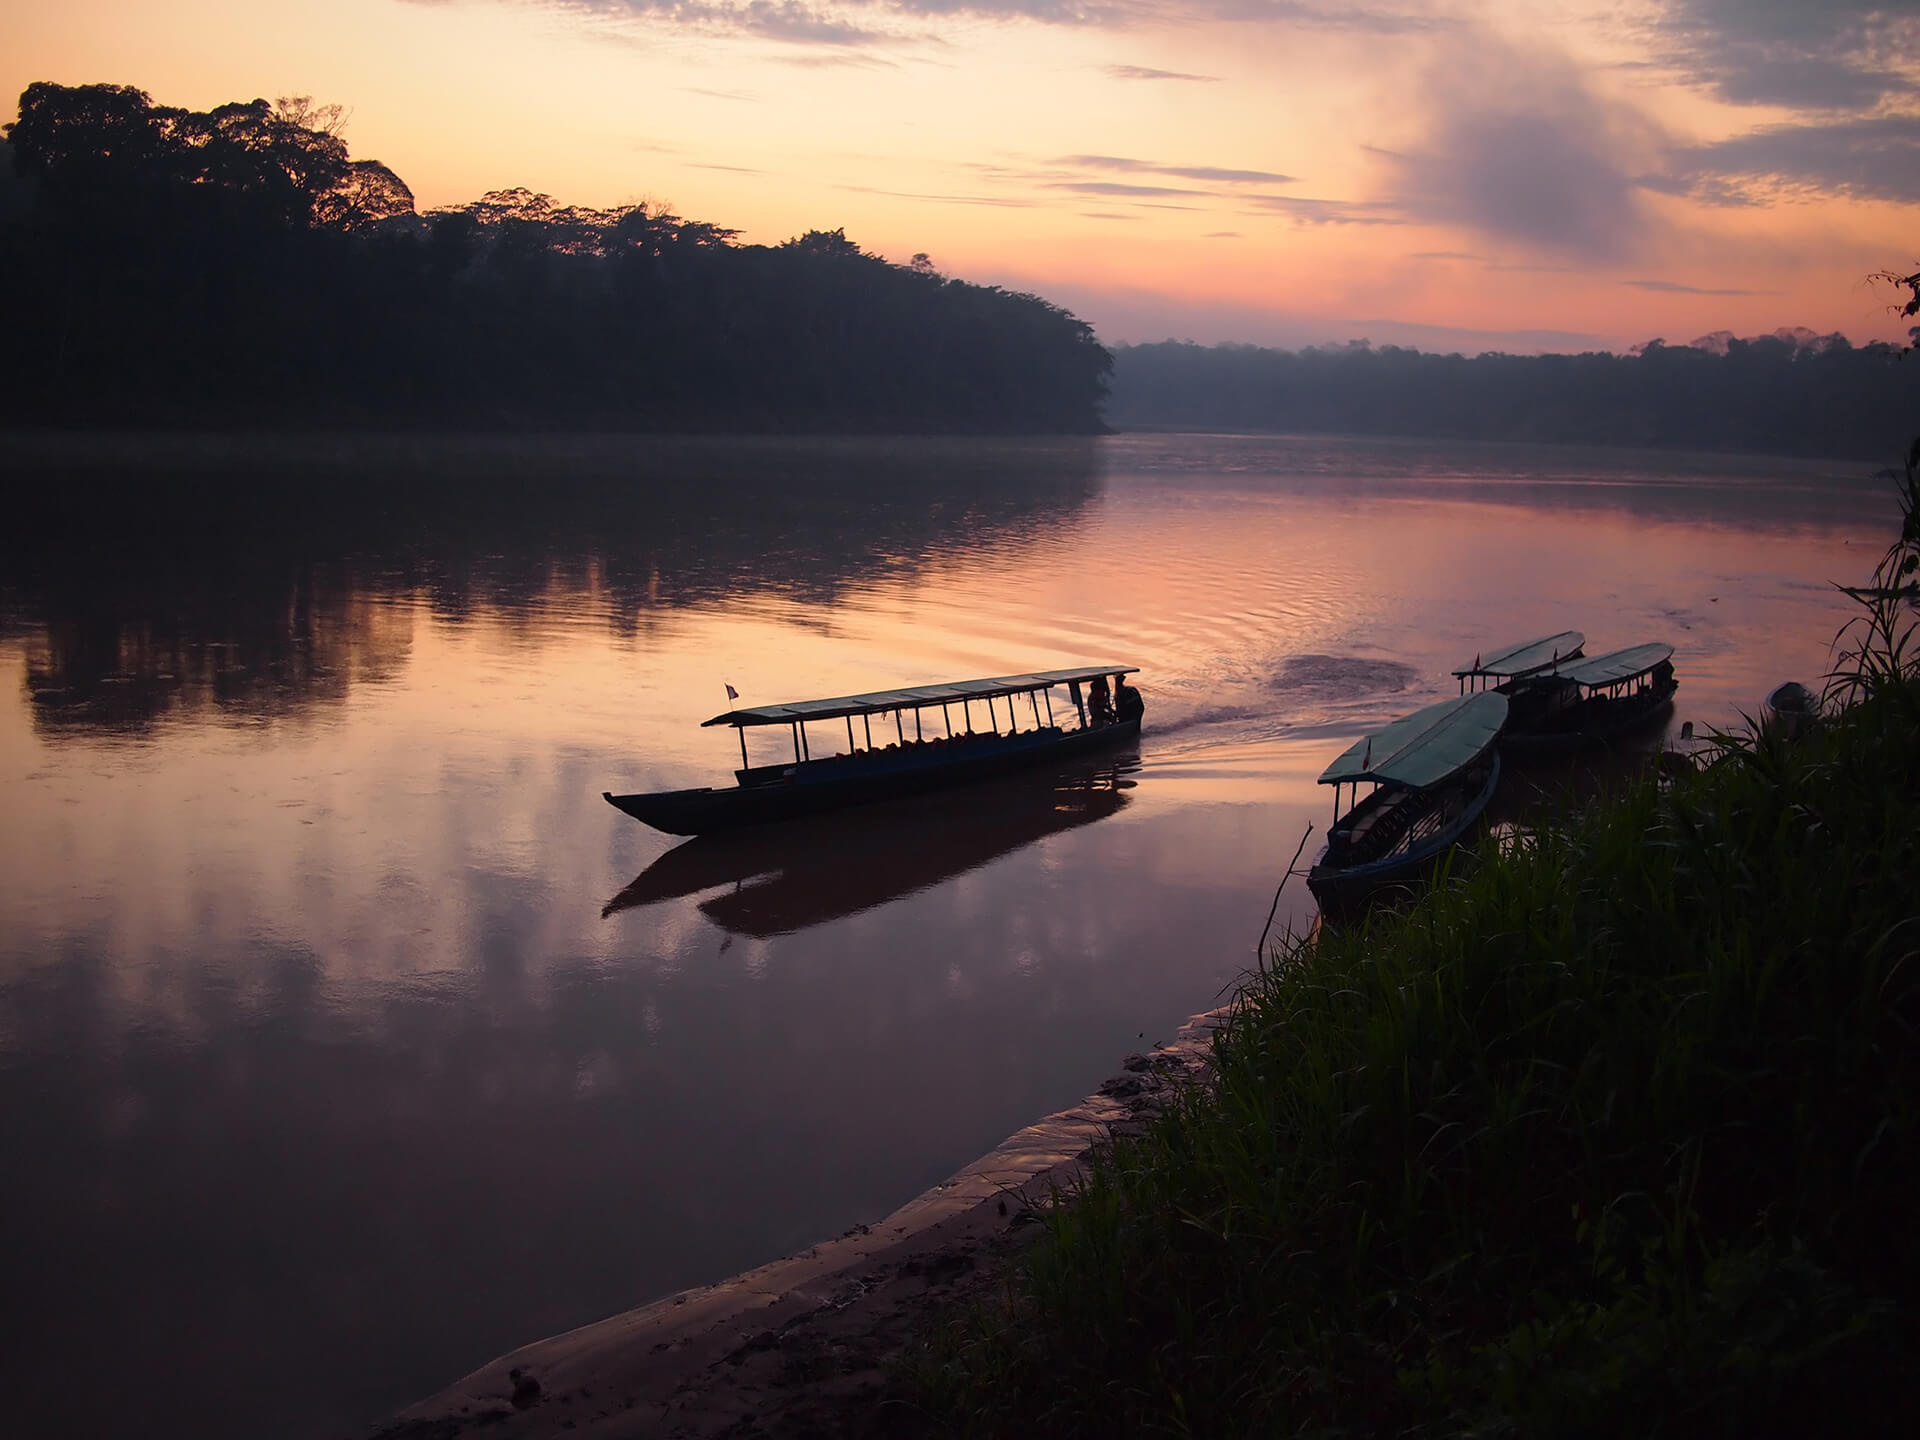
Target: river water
[348, 1039]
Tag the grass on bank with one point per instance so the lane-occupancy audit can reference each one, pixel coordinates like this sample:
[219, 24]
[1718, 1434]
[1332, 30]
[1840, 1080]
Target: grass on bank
[1616, 1135]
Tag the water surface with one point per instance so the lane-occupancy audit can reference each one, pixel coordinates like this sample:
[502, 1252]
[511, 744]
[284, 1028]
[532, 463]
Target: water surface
[348, 1039]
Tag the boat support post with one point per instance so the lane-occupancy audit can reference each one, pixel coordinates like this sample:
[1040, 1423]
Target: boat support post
[796, 742]
[1079, 704]
[741, 731]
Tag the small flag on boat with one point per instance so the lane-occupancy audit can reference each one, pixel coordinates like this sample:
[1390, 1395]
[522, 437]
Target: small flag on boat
[1476, 659]
[732, 694]
[1366, 760]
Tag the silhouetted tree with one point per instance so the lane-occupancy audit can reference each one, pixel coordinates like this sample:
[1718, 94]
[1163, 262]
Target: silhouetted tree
[239, 266]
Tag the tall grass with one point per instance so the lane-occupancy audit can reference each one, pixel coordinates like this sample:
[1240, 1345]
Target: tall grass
[1615, 1135]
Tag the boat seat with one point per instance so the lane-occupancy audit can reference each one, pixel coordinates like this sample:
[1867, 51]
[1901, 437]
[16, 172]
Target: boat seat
[1378, 832]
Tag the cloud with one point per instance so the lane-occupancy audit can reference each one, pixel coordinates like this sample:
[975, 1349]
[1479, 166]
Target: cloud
[1444, 255]
[1832, 55]
[1210, 173]
[1869, 158]
[1516, 146]
[1669, 287]
[796, 22]
[1147, 72]
[1223, 235]
[1115, 187]
[857, 23]
[1304, 210]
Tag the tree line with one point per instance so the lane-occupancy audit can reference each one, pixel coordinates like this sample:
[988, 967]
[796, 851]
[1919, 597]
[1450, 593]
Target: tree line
[1789, 393]
[239, 267]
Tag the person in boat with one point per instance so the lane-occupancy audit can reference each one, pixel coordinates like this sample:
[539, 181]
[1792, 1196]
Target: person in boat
[1127, 704]
[1100, 702]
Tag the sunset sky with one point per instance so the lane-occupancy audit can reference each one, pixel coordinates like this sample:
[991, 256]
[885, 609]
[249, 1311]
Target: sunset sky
[1542, 174]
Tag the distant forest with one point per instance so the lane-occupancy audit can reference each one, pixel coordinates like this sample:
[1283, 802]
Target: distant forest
[237, 267]
[1791, 393]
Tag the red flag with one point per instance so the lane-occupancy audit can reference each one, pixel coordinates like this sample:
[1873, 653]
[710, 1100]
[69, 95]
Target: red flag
[1366, 760]
[732, 694]
[1476, 659]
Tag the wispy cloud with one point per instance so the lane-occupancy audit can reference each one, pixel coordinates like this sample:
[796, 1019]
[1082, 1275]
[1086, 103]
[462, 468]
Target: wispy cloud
[1210, 173]
[1669, 287]
[1305, 210]
[1147, 72]
[1116, 187]
[857, 23]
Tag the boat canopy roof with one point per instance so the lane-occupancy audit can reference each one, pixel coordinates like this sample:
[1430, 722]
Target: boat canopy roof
[1620, 665]
[1426, 747]
[913, 697]
[1526, 657]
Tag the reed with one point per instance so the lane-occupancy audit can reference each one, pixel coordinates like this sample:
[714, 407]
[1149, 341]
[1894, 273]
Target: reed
[1614, 1135]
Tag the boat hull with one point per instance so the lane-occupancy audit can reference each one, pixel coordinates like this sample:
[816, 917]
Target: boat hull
[1592, 722]
[804, 790]
[1345, 889]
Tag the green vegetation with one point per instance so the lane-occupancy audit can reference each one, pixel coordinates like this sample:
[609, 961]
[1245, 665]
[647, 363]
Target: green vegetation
[1615, 1136]
[236, 267]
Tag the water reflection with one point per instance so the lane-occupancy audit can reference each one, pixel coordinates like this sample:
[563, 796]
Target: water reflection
[256, 581]
[790, 877]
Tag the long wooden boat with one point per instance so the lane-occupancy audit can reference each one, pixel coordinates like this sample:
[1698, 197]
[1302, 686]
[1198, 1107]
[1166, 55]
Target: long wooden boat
[1596, 700]
[1432, 774]
[944, 749]
[1499, 669]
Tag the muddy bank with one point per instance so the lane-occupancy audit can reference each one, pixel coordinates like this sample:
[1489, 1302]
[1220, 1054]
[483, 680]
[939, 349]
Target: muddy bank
[801, 1346]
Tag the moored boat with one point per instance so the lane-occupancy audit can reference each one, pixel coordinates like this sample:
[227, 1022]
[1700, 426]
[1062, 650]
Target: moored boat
[1432, 773]
[1790, 710]
[939, 753]
[1498, 669]
[1591, 701]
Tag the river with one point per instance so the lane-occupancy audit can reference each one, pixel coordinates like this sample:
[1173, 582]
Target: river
[344, 1041]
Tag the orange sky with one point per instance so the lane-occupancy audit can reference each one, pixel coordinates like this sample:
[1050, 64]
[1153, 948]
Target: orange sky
[1544, 174]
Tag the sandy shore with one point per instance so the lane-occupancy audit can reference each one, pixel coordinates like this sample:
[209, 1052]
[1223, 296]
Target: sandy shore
[801, 1346]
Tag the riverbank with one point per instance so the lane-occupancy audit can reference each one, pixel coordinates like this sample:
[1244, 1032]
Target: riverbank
[1618, 1134]
[811, 1343]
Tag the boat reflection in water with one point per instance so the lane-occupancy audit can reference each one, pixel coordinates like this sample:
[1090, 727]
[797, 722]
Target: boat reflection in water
[784, 878]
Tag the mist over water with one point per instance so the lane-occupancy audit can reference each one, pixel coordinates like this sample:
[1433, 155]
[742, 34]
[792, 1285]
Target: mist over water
[347, 1038]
